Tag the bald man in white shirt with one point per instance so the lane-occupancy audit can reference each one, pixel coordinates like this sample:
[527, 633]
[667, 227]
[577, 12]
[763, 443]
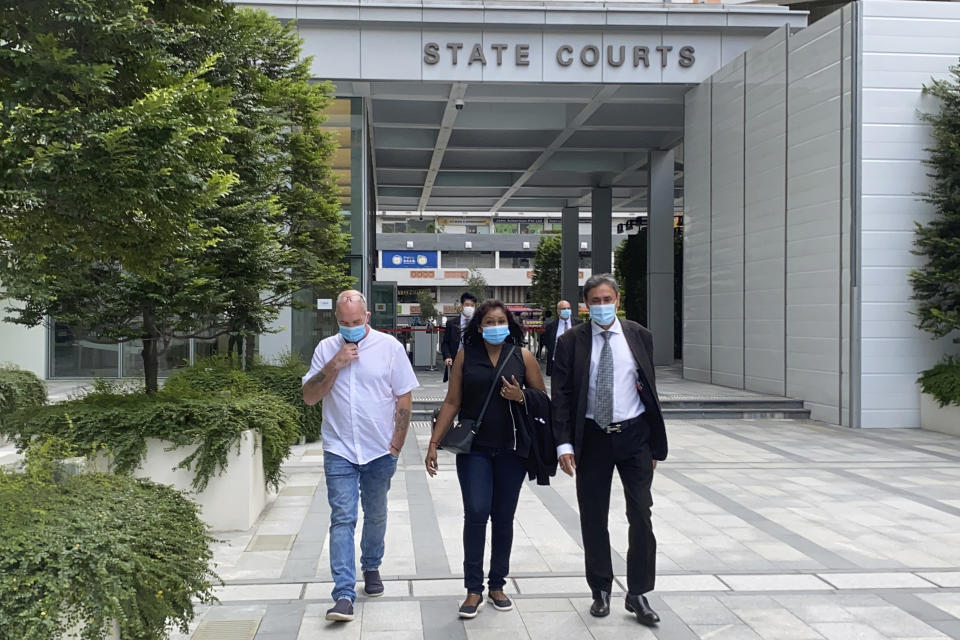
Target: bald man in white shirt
[365, 381]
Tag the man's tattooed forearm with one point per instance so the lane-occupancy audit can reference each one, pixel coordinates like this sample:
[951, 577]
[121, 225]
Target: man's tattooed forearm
[401, 420]
[317, 379]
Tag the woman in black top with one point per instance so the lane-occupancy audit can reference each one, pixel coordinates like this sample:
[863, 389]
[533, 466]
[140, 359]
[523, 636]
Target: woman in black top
[491, 475]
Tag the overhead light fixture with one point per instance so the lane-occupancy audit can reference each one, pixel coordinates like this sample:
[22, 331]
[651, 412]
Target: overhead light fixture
[467, 244]
[526, 245]
[409, 244]
[583, 245]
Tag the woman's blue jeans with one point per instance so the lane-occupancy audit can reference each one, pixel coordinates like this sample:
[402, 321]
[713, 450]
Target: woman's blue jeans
[490, 482]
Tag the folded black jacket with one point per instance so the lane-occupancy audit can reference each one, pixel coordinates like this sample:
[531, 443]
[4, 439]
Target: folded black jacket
[534, 435]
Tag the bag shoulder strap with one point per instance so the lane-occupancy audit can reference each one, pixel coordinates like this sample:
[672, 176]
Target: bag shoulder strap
[493, 385]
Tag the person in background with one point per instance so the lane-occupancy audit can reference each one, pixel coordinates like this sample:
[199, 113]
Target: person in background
[453, 333]
[606, 416]
[491, 475]
[555, 328]
[365, 381]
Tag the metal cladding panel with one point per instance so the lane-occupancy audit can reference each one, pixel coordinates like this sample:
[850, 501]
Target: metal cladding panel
[727, 243]
[696, 235]
[904, 45]
[813, 218]
[764, 215]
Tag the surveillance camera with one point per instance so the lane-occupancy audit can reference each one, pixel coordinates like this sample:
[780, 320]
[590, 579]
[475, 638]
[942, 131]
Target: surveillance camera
[458, 103]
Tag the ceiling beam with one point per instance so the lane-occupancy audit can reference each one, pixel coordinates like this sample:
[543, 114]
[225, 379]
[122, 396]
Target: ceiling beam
[623, 175]
[457, 91]
[576, 122]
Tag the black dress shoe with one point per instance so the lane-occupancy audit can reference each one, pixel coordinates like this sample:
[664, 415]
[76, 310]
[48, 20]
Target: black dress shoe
[638, 605]
[601, 605]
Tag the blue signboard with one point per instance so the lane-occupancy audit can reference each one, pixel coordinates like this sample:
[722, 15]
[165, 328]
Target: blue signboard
[409, 260]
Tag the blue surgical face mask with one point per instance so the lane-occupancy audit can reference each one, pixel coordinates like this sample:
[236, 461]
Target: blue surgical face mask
[603, 314]
[353, 334]
[565, 314]
[496, 334]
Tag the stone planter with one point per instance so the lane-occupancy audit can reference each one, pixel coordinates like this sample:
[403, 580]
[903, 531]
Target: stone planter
[944, 419]
[233, 500]
[75, 632]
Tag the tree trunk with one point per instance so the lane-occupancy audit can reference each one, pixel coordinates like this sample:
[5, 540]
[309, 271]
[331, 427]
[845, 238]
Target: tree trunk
[248, 352]
[149, 353]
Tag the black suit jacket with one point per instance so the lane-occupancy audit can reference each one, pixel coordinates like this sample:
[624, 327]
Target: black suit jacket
[450, 344]
[549, 339]
[571, 383]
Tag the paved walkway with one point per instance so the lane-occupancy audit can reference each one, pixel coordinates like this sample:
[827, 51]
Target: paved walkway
[771, 529]
[767, 529]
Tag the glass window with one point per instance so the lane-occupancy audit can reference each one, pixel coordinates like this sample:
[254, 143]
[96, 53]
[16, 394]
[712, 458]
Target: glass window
[585, 261]
[173, 354]
[77, 354]
[531, 228]
[516, 260]
[480, 259]
[512, 228]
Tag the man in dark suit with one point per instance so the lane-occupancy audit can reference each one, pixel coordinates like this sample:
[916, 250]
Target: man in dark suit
[453, 333]
[606, 415]
[554, 329]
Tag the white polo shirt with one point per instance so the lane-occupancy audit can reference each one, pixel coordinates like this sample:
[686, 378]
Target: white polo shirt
[358, 413]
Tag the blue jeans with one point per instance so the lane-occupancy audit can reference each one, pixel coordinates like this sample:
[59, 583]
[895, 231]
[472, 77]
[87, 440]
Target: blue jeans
[490, 482]
[347, 485]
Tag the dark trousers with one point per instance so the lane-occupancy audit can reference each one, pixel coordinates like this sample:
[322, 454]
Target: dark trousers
[629, 452]
[490, 482]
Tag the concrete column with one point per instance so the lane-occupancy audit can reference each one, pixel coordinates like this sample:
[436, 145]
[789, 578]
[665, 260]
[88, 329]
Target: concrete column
[660, 303]
[601, 211]
[570, 255]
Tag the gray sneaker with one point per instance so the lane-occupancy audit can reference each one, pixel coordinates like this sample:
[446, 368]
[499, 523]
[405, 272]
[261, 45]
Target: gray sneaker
[341, 612]
[372, 584]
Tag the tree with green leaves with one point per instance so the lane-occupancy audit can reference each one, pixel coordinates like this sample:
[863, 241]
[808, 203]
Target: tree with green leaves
[163, 171]
[476, 284]
[428, 306]
[935, 284]
[545, 283]
[630, 270]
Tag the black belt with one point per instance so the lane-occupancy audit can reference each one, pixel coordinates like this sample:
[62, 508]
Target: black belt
[616, 427]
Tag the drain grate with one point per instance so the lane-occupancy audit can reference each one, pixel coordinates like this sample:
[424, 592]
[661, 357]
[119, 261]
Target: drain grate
[227, 630]
[266, 542]
[298, 490]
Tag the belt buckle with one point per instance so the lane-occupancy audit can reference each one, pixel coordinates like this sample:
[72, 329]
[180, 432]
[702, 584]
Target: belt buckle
[614, 428]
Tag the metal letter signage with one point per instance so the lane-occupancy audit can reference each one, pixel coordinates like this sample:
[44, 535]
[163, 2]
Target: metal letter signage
[589, 55]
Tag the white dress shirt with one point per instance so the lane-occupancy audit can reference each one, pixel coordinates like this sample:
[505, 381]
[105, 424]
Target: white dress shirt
[358, 413]
[626, 400]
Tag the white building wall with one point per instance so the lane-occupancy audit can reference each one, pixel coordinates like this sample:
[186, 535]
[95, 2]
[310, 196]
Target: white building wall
[696, 234]
[25, 347]
[904, 45]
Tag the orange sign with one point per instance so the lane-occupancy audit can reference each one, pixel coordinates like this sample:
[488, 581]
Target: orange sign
[455, 274]
[423, 274]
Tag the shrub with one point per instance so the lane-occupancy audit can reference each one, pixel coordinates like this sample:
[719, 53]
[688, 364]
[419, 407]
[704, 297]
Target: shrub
[19, 389]
[96, 548]
[283, 379]
[943, 381]
[121, 422]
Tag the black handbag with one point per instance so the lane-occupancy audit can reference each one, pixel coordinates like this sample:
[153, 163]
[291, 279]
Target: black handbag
[459, 438]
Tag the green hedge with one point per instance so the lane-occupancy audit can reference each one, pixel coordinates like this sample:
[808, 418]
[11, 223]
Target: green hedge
[121, 422]
[98, 548]
[19, 389]
[943, 381]
[283, 379]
